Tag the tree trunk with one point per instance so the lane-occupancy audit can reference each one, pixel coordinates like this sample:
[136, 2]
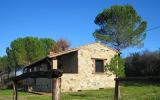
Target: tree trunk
[116, 92]
[117, 82]
[15, 94]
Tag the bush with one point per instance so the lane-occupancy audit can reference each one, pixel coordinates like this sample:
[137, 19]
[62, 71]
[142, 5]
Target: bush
[116, 66]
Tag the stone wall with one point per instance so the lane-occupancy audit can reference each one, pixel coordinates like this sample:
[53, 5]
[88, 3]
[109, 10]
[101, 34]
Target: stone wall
[86, 77]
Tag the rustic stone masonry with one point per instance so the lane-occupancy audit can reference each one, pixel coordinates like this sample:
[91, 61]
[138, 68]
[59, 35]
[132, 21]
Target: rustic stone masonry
[87, 78]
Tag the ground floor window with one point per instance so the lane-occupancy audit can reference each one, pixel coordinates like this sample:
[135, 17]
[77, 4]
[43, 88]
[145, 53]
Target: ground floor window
[99, 65]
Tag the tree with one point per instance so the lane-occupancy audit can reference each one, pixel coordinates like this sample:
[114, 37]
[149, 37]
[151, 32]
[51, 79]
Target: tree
[11, 58]
[48, 44]
[120, 27]
[117, 70]
[34, 49]
[4, 65]
[61, 45]
[24, 51]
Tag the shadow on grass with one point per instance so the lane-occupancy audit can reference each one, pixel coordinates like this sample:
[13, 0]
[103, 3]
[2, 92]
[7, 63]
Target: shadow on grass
[33, 93]
[139, 83]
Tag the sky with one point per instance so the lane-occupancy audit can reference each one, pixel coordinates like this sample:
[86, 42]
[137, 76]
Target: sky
[70, 19]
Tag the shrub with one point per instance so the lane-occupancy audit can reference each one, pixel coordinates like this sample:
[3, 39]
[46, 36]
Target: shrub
[116, 66]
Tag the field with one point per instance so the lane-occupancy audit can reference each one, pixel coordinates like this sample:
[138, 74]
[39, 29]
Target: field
[128, 92]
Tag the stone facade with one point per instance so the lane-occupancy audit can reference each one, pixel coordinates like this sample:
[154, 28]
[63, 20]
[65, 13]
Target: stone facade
[87, 78]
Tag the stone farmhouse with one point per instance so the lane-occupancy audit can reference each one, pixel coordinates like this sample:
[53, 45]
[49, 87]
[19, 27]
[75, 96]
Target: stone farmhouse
[83, 68]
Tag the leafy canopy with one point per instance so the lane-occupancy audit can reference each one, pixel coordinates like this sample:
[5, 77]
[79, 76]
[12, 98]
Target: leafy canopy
[4, 65]
[116, 66]
[120, 27]
[24, 51]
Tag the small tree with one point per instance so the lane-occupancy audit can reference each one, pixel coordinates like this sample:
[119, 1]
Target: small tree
[116, 66]
[61, 45]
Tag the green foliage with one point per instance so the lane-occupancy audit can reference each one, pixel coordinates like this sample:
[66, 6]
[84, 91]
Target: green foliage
[143, 64]
[48, 44]
[120, 27]
[24, 51]
[4, 65]
[116, 66]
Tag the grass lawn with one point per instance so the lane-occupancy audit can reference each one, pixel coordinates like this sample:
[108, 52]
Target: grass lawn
[128, 92]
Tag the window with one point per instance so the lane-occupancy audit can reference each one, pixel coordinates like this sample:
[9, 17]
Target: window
[68, 63]
[99, 66]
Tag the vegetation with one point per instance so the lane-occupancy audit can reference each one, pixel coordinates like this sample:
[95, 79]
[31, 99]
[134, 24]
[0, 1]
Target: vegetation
[143, 64]
[24, 51]
[61, 45]
[120, 27]
[128, 92]
[116, 66]
[4, 65]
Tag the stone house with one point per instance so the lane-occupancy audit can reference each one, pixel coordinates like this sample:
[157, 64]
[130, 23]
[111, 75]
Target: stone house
[83, 68]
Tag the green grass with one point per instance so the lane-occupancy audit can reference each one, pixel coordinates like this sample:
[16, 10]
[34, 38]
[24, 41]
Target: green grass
[128, 92]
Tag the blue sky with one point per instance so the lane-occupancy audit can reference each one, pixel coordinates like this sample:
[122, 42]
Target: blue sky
[69, 19]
